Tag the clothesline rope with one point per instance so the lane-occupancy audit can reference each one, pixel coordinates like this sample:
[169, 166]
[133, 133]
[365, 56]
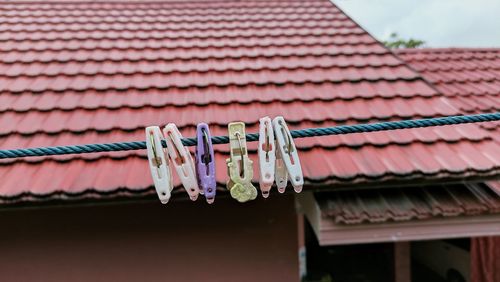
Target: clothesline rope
[300, 133]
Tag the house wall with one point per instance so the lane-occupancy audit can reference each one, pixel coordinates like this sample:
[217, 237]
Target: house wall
[181, 241]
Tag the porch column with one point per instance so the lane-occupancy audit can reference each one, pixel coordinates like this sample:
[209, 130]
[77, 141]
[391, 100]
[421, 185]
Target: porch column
[402, 262]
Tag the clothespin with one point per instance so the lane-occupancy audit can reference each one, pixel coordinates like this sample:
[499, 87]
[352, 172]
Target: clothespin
[288, 153]
[267, 155]
[181, 160]
[280, 173]
[239, 165]
[205, 162]
[158, 164]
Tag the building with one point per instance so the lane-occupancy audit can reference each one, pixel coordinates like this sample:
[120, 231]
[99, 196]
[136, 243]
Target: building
[100, 71]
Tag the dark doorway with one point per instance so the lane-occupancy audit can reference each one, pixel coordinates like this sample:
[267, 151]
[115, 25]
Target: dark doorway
[348, 263]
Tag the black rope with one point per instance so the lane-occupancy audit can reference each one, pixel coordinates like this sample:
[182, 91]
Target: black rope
[301, 133]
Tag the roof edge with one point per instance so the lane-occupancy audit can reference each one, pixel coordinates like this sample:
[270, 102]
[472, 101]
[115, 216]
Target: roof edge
[445, 50]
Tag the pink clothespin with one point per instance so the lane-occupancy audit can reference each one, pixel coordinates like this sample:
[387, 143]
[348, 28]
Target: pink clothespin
[267, 155]
[158, 163]
[182, 160]
[205, 162]
[288, 153]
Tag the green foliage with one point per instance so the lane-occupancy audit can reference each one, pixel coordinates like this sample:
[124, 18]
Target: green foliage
[396, 42]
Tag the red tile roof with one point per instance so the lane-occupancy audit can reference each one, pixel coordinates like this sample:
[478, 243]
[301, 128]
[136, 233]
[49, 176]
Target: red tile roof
[91, 72]
[382, 205]
[468, 77]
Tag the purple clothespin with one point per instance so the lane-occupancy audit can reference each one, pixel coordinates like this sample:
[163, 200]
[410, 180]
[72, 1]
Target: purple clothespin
[205, 162]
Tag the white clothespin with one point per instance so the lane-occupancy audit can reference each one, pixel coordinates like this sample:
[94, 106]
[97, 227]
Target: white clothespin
[288, 153]
[280, 174]
[182, 160]
[158, 163]
[267, 155]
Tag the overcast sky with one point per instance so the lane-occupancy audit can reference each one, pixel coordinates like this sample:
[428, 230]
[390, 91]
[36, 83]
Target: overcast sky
[441, 23]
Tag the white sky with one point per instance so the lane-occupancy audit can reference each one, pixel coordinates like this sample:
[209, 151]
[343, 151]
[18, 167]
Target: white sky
[441, 23]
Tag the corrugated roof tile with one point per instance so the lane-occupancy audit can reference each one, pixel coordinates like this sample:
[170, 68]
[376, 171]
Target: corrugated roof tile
[386, 205]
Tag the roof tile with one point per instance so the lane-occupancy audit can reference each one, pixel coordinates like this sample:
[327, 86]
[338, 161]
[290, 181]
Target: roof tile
[314, 111]
[385, 205]
[93, 72]
[469, 77]
[132, 177]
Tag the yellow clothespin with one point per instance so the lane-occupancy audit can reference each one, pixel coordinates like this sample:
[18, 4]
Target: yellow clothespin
[239, 165]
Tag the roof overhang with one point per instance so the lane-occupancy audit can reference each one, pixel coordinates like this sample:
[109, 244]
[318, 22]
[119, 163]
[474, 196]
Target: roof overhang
[330, 231]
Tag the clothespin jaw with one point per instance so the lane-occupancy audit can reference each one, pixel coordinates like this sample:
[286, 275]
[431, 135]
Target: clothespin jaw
[280, 173]
[205, 162]
[267, 155]
[158, 164]
[288, 153]
[182, 160]
[239, 165]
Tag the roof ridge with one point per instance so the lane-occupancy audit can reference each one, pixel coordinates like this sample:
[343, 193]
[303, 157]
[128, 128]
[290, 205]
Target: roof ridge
[404, 62]
[446, 50]
[141, 1]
